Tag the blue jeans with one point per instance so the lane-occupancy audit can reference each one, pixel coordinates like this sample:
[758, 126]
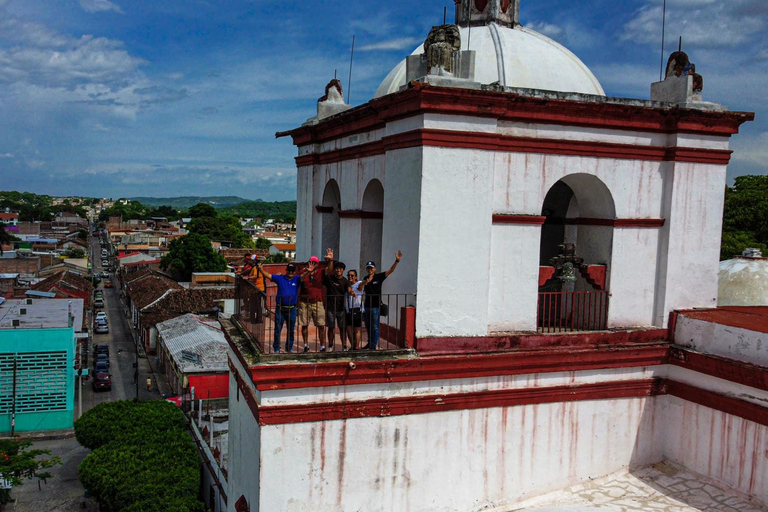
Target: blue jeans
[281, 316]
[371, 317]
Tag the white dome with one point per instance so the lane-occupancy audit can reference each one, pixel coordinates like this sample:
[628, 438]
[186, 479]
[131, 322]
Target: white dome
[743, 282]
[514, 57]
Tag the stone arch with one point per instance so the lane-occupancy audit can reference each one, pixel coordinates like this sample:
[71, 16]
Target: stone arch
[371, 226]
[579, 209]
[331, 226]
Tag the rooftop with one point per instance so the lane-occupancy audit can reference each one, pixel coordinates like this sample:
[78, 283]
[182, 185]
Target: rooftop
[196, 335]
[41, 313]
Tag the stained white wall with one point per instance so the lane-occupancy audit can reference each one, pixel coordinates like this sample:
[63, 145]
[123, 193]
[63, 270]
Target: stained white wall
[722, 340]
[491, 456]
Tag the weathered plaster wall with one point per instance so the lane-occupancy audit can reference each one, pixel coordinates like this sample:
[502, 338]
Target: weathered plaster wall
[722, 340]
[244, 470]
[392, 463]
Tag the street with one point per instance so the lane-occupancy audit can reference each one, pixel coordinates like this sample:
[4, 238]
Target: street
[63, 492]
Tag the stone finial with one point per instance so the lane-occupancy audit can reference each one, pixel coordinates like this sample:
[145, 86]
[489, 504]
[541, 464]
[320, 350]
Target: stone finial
[482, 12]
[332, 102]
[440, 48]
[681, 83]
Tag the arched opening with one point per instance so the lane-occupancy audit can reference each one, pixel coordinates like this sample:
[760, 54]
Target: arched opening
[575, 254]
[331, 226]
[370, 233]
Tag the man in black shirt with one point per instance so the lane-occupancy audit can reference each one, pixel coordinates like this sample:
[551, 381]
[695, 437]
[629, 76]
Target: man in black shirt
[336, 287]
[372, 299]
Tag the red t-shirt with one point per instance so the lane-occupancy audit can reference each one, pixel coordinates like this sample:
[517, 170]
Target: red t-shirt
[312, 286]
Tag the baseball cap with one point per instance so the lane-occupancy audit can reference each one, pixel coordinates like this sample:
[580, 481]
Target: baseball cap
[290, 266]
[315, 259]
[254, 257]
[370, 264]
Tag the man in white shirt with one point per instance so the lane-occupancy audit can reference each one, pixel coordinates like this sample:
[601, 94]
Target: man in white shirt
[354, 308]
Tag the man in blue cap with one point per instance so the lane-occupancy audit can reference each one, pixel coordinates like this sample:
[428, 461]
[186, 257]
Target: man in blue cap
[285, 303]
[372, 300]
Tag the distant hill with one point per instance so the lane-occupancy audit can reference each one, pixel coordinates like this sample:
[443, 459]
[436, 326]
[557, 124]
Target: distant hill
[283, 211]
[182, 203]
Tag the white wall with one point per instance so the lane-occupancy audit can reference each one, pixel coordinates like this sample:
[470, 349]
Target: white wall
[244, 470]
[722, 340]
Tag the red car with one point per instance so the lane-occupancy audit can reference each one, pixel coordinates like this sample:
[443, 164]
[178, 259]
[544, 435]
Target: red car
[101, 382]
[108, 284]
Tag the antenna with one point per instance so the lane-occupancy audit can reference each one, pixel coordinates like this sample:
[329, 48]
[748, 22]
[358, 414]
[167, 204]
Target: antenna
[680, 44]
[445, 13]
[663, 28]
[349, 81]
[334, 74]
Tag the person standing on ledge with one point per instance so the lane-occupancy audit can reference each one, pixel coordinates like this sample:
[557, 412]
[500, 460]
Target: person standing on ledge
[311, 301]
[285, 303]
[372, 299]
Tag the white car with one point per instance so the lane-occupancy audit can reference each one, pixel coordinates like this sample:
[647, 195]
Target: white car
[105, 274]
[104, 263]
[101, 315]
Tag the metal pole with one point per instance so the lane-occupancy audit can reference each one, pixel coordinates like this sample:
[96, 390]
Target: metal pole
[349, 80]
[79, 392]
[663, 28]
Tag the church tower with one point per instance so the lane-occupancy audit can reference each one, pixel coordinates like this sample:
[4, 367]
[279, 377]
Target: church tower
[482, 12]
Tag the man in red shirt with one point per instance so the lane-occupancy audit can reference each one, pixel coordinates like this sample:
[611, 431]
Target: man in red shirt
[311, 303]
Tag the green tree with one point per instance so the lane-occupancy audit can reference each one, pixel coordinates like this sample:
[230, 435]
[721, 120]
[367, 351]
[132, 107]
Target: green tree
[192, 253]
[276, 258]
[169, 212]
[5, 237]
[221, 229]
[19, 463]
[82, 235]
[263, 243]
[202, 210]
[142, 460]
[74, 253]
[745, 215]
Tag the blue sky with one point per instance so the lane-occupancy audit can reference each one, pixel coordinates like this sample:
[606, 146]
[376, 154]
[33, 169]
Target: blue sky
[120, 98]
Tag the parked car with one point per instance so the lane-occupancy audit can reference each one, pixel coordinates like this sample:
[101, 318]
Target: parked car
[101, 381]
[102, 328]
[100, 367]
[108, 284]
[98, 302]
[104, 273]
[101, 315]
[103, 357]
[100, 348]
[104, 263]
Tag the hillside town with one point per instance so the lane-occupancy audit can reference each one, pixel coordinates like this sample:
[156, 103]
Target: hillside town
[499, 288]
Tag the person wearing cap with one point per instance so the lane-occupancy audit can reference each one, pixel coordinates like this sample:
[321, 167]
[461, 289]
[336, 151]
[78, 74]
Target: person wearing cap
[250, 271]
[372, 301]
[337, 286]
[311, 302]
[285, 303]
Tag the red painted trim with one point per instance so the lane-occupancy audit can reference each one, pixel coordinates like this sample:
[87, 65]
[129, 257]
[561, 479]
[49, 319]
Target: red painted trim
[595, 275]
[722, 368]
[324, 209]
[422, 98]
[639, 223]
[618, 223]
[503, 218]
[246, 392]
[671, 324]
[312, 375]
[718, 402]
[582, 340]
[360, 214]
[399, 406]
[495, 142]
[545, 274]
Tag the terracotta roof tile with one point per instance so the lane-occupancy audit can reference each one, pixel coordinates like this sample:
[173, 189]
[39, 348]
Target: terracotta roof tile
[181, 302]
[144, 292]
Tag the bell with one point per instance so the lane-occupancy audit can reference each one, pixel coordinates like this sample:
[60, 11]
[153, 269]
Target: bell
[567, 273]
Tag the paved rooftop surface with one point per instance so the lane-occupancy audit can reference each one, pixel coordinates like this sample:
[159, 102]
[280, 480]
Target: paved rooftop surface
[663, 487]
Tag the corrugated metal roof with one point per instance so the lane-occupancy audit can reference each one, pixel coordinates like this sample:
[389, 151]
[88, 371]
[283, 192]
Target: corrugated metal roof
[198, 335]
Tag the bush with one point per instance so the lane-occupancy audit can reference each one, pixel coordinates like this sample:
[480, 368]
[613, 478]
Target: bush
[143, 459]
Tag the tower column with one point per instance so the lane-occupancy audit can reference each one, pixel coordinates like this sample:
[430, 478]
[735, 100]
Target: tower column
[482, 12]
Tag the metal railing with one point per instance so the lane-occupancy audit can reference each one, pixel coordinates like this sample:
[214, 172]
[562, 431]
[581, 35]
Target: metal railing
[259, 315]
[572, 311]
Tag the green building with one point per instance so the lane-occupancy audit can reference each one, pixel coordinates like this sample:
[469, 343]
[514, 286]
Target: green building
[37, 358]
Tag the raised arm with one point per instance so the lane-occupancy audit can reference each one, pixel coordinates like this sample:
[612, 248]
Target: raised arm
[329, 258]
[266, 274]
[394, 265]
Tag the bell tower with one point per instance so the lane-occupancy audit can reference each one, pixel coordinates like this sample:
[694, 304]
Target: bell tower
[482, 12]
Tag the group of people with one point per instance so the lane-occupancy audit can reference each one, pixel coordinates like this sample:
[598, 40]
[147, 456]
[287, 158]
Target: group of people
[350, 302]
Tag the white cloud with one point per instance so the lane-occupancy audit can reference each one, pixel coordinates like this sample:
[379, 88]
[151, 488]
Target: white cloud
[6, 155]
[549, 29]
[99, 6]
[400, 43]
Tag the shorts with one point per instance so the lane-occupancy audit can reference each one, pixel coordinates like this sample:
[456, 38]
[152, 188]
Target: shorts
[332, 318]
[313, 310]
[354, 318]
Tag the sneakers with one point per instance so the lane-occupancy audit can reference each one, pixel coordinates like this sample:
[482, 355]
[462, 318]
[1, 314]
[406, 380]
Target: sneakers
[306, 348]
[345, 348]
[365, 347]
[322, 348]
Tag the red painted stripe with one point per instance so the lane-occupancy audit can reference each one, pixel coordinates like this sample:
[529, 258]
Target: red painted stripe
[619, 223]
[423, 98]
[718, 402]
[727, 369]
[457, 366]
[359, 214]
[279, 415]
[504, 143]
[484, 344]
[324, 209]
[503, 218]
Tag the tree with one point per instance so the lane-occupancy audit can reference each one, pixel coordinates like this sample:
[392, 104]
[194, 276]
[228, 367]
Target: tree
[19, 463]
[192, 253]
[74, 253]
[745, 215]
[82, 235]
[276, 258]
[202, 210]
[5, 237]
[222, 229]
[263, 243]
[142, 460]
